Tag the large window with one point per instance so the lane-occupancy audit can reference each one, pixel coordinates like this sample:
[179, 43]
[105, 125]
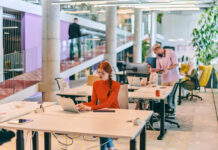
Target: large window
[12, 49]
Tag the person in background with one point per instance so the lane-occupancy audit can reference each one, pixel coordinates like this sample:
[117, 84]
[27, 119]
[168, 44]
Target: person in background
[105, 92]
[192, 76]
[151, 79]
[167, 64]
[152, 75]
[74, 33]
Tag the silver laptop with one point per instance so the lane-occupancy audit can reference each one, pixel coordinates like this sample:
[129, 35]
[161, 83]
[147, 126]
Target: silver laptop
[67, 104]
[134, 81]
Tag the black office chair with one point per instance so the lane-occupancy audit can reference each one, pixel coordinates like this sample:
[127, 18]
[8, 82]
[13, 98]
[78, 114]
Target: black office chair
[169, 107]
[192, 84]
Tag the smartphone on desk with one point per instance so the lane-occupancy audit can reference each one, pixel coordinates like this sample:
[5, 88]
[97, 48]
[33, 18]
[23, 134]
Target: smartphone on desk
[19, 121]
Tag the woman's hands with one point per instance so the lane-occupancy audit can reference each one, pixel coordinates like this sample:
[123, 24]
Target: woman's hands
[83, 107]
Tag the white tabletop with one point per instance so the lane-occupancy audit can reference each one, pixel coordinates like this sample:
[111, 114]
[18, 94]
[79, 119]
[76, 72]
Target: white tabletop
[103, 124]
[145, 92]
[150, 96]
[152, 88]
[84, 90]
[149, 92]
[16, 109]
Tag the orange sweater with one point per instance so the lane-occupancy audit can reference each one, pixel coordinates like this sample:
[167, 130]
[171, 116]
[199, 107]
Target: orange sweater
[100, 92]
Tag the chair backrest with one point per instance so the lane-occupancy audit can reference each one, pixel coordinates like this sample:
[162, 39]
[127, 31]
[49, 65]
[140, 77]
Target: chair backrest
[200, 72]
[172, 95]
[184, 68]
[91, 79]
[123, 96]
[62, 84]
[207, 71]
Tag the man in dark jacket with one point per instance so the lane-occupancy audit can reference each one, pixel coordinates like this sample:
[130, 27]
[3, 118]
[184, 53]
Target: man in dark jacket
[74, 35]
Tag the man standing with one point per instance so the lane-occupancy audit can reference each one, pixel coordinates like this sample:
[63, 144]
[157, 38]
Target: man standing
[167, 64]
[74, 33]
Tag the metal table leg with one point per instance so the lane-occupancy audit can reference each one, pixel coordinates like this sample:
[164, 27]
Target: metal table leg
[162, 121]
[143, 139]
[151, 103]
[19, 140]
[47, 139]
[140, 104]
[132, 144]
[180, 93]
[35, 140]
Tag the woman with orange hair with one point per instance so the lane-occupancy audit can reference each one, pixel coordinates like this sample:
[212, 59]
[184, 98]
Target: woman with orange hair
[105, 92]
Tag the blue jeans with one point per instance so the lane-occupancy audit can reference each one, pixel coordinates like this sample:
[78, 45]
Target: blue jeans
[107, 145]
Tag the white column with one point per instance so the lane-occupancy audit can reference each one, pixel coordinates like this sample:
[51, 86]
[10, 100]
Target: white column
[1, 46]
[137, 53]
[153, 31]
[50, 49]
[111, 35]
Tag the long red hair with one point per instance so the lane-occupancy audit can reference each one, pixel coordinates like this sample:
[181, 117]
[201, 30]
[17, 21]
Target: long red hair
[107, 68]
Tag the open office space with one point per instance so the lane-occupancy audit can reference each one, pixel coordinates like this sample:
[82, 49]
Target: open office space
[108, 74]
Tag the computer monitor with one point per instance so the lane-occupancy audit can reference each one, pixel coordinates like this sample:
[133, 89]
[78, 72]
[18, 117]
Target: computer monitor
[121, 65]
[151, 61]
[137, 68]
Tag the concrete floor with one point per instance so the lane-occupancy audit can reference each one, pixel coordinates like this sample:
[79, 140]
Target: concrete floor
[199, 131]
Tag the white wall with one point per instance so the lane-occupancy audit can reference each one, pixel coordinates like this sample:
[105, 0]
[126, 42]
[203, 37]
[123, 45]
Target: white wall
[180, 26]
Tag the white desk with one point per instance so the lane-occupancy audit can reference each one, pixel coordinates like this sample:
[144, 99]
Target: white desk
[148, 93]
[142, 93]
[84, 90]
[16, 109]
[104, 124]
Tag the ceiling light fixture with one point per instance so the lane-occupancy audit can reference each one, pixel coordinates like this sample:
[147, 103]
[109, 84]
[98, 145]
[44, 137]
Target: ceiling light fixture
[76, 12]
[173, 9]
[166, 6]
[74, 2]
[186, 2]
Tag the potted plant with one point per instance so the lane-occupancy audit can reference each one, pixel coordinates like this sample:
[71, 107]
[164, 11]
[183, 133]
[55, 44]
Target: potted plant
[145, 48]
[204, 37]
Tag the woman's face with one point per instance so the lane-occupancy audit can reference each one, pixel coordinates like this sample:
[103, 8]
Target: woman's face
[103, 75]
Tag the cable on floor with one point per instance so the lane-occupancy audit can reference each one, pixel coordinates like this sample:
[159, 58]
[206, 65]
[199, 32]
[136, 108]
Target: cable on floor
[99, 145]
[64, 144]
